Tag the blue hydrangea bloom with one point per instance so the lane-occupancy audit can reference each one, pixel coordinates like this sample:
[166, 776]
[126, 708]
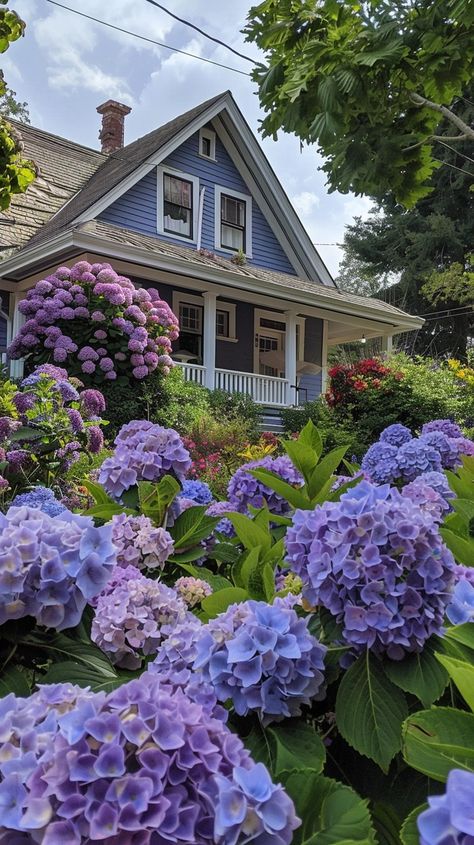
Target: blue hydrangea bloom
[198, 491]
[245, 490]
[416, 457]
[445, 446]
[461, 606]
[396, 434]
[449, 820]
[39, 497]
[447, 427]
[145, 763]
[431, 492]
[380, 462]
[376, 561]
[50, 567]
[263, 658]
[224, 526]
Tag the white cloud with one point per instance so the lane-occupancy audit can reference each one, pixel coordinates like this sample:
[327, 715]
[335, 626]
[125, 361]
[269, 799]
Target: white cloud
[306, 202]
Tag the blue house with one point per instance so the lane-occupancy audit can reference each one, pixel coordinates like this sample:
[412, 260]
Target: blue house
[195, 210]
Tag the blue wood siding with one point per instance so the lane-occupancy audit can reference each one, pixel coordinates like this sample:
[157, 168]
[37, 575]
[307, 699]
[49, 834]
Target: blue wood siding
[137, 208]
[313, 346]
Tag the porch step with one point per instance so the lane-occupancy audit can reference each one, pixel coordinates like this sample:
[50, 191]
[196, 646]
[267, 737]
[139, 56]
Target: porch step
[270, 420]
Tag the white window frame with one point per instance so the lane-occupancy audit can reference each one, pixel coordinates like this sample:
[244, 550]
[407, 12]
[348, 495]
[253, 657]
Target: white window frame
[281, 318]
[191, 299]
[210, 135]
[171, 171]
[218, 191]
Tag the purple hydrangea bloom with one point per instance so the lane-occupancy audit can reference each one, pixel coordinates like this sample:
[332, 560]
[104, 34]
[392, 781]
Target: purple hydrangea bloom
[132, 619]
[461, 606]
[417, 457]
[139, 543]
[464, 446]
[447, 427]
[263, 658]
[143, 452]
[380, 462]
[192, 590]
[444, 446]
[431, 492]
[245, 490]
[141, 764]
[198, 491]
[95, 439]
[224, 526]
[396, 434]
[449, 819]
[39, 497]
[51, 566]
[376, 561]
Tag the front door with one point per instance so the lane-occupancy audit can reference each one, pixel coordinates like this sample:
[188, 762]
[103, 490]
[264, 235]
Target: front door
[270, 353]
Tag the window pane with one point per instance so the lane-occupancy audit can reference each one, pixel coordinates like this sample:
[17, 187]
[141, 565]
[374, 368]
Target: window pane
[222, 323]
[232, 238]
[190, 317]
[177, 219]
[232, 211]
[178, 191]
[206, 147]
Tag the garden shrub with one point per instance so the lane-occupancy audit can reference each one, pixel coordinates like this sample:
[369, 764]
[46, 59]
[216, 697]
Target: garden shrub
[215, 449]
[177, 402]
[235, 406]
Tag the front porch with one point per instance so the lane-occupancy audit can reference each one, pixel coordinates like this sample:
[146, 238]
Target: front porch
[264, 390]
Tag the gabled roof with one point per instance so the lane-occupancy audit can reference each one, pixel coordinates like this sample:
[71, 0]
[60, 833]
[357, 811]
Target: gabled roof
[63, 169]
[114, 174]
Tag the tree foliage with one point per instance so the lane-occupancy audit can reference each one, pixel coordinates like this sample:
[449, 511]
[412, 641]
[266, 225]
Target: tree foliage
[16, 173]
[368, 83]
[11, 107]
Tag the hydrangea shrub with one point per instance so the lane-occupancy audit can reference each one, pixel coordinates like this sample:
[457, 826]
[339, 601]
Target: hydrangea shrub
[97, 324]
[245, 490]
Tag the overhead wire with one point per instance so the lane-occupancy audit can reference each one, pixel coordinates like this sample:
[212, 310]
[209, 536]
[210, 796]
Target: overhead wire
[145, 38]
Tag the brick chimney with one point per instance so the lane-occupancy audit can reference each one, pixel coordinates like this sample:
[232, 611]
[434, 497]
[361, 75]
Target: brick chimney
[112, 131]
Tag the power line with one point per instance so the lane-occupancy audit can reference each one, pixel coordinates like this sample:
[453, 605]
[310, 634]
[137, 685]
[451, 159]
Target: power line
[454, 150]
[149, 40]
[445, 163]
[201, 31]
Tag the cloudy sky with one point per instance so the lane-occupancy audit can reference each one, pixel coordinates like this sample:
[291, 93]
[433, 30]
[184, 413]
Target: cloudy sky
[67, 65]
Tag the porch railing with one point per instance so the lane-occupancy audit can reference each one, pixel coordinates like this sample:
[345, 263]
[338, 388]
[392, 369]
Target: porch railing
[265, 390]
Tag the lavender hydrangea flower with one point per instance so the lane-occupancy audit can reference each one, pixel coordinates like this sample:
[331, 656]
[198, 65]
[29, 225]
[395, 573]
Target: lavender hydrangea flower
[375, 560]
[444, 446]
[42, 498]
[449, 818]
[143, 452]
[396, 434]
[417, 457]
[51, 566]
[224, 526]
[198, 491]
[447, 427]
[245, 490]
[263, 658]
[192, 590]
[464, 446]
[380, 462]
[431, 492]
[145, 763]
[139, 543]
[134, 618]
[461, 606]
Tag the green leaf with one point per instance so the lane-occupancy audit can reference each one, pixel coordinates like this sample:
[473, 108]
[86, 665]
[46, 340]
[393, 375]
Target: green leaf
[409, 833]
[370, 711]
[187, 557]
[295, 745]
[302, 457]
[60, 647]
[310, 437]
[419, 674]
[249, 533]
[330, 812]
[250, 565]
[25, 432]
[324, 470]
[192, 526]
[292, 495]
[387, 824]
[461, 633]
[462, 487]
[97, 492]
[220, 601]
[156, 498]
[463, 550]
[438, 740]
[13, 680]
[106, 512]
[85, 676]
[463, 676]
[225, 552]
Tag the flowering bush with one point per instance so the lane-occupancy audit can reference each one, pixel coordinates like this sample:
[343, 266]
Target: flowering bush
[139, 543]
[263, 658]
[143, 452]
[245, 490]
[50, 425]
[449, 818]
[97, 324]
[142, 764]
[349, 381]
[376, 562]
[51, 566]
[133, 615]
[214, 447]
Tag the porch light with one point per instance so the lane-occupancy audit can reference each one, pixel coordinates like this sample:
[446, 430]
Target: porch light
[363, 339]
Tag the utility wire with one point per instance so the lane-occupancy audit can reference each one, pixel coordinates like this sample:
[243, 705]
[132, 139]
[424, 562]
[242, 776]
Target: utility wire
[445, 163]
[149, 40]
[201, 31]
[454, 150]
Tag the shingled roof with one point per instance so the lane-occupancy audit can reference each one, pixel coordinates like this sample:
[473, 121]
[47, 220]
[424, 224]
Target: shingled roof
[116, 167]
[63, 168]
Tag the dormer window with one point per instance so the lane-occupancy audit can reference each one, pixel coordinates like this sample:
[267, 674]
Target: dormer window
[207, 144]
[178, 203]
[233, 221]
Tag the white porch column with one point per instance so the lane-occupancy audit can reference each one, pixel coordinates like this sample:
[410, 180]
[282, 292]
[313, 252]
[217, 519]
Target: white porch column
[16, 367]
[387, 344]
[290, 357]
[209, 340]
[324, 357]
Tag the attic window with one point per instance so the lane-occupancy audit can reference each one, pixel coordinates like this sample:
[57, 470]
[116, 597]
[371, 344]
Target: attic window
[207, 144]
[233, 221]
[178, 200]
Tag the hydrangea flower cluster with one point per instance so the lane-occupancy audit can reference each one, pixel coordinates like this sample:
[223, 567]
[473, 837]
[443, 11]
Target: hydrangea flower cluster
[198, 491]
[192, 590]
[224, 526]
[142, 764]
[39, 497]
[139, 543]
[400, 458]
[263, 658]
[375, 560]
[449, 819]
[461, 606]
[133, 615]
[51, 566]
[96, 323]
[245, 490]
[143, 452]
[431, 492]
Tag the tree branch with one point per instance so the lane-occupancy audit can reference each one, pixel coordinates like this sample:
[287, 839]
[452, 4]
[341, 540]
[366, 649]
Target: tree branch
[418, 100]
